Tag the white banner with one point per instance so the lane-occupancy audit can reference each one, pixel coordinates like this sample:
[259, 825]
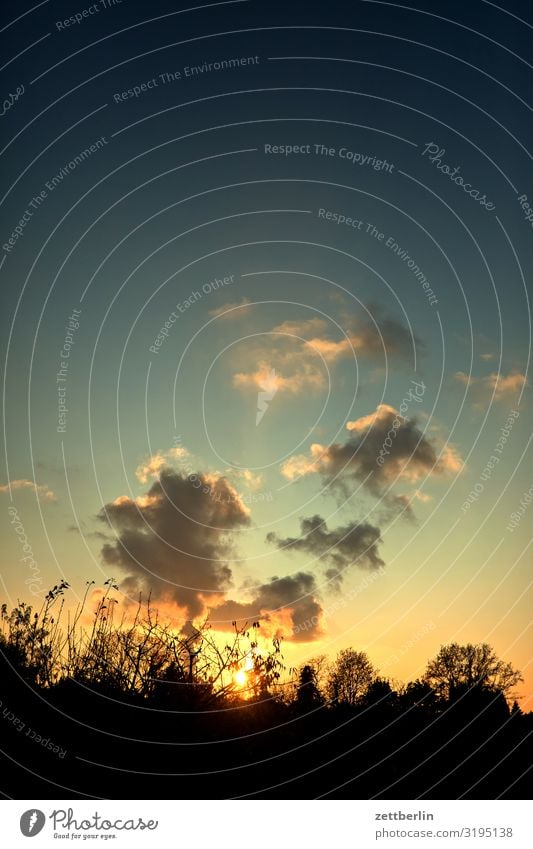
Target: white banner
[227, 824]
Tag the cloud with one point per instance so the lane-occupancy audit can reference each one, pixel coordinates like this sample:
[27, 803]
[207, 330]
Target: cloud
[232, 311]
[374, 341]
[150, 468]
[301, 351]
[383, 447]
[176, 540]
[366, 337]
[501, 386]
[304, 328]
[423, 497]
[152, 465]
[289, 607]
[332, 351]
[41, 490]
[301, 464]
[342, 547]
[254, 482]
[280, 606]
[304, 376]
[506, 385]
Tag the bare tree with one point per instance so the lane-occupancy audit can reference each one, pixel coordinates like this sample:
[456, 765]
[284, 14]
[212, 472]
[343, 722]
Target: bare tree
[350, 677]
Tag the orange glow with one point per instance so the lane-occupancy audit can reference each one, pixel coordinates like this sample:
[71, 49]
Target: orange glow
[240, 678]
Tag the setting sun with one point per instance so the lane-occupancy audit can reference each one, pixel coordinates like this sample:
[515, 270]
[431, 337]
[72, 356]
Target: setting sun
[240, 678]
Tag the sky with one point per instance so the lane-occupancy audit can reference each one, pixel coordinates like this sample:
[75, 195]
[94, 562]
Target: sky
[265, 318]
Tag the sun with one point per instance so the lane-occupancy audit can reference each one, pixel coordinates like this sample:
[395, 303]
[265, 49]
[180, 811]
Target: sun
[240, 678]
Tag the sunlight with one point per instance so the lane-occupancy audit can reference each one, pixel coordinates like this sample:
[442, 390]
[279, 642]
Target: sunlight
[240, 678]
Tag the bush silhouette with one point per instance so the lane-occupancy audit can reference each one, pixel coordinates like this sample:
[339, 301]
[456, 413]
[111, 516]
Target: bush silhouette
[210, 715]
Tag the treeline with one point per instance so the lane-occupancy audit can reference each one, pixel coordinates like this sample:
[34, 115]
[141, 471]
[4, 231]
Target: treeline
[205, 718]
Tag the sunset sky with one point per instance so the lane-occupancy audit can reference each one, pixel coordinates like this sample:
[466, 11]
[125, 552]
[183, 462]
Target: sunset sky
[230, 296]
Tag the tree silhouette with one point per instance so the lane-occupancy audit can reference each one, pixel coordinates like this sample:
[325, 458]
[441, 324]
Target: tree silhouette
[350, 677]
[308, 695]
[136, 678]
[456, 668]
[420, 696]
[380, 695]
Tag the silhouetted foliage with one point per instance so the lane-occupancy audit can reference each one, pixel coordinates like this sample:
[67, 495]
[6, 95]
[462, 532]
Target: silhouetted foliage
[229, 720]
[350, 677]
[308, 695]
[419, 695]
[380, 694]
[456, 667]
[137, 656]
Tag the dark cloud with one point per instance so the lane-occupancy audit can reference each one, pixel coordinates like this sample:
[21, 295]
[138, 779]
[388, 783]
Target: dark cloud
[391, 505]
[340, 548]
[383, 447]
[386, 337]
[281, 606]
[176, 540]
[378, 452]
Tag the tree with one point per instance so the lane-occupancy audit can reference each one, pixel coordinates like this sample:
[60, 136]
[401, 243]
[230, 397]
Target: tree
[380, 695]
[350, 677]
[321, 667]
[308, 695]
[418, 696]
[458, 667]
